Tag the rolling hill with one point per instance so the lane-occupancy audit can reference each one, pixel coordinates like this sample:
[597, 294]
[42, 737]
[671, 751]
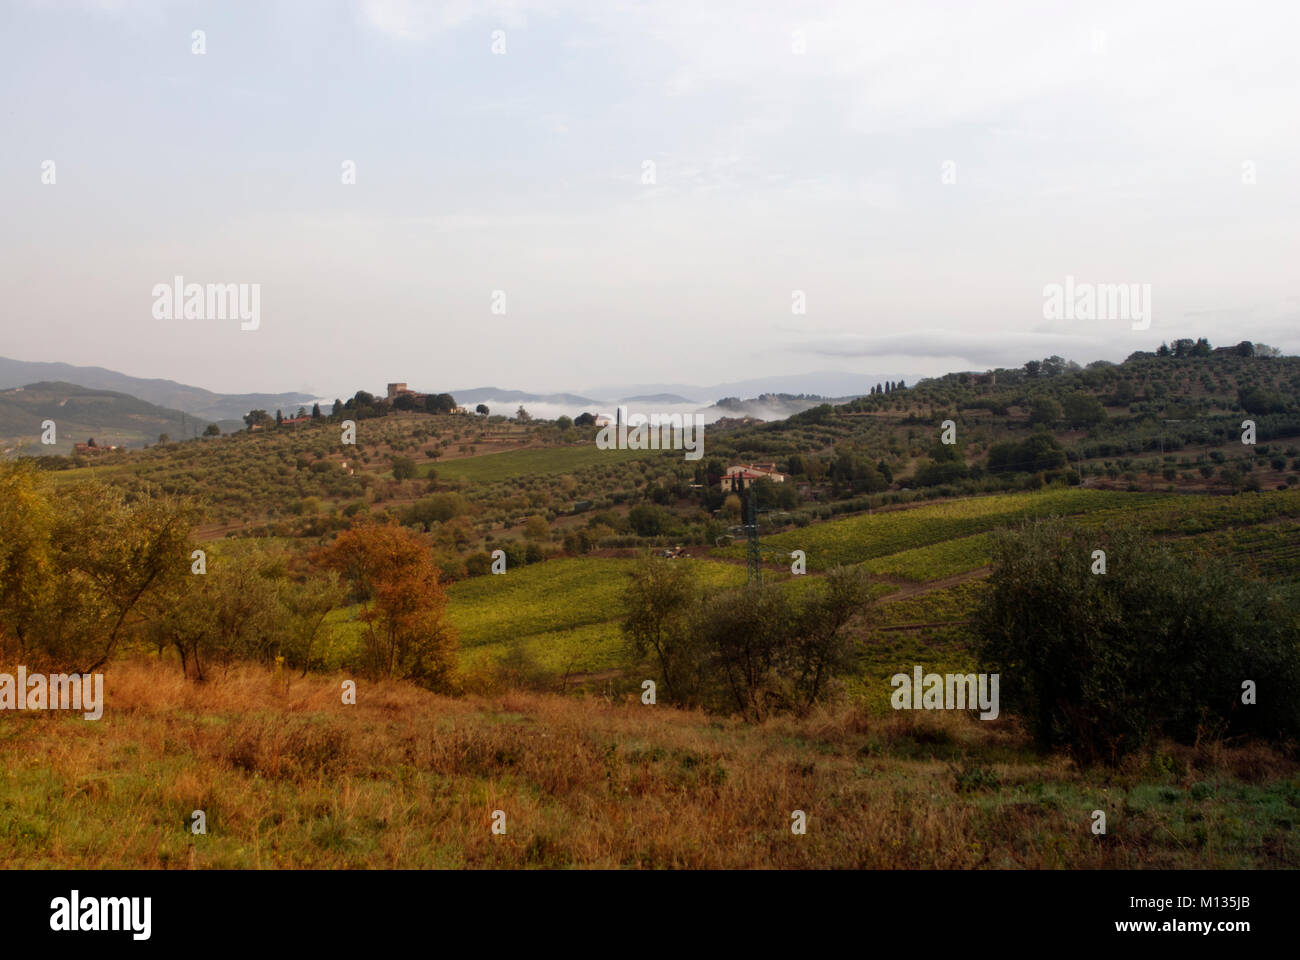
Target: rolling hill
[80, 413]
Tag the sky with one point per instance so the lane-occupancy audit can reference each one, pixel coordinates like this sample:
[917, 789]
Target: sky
[649, 190]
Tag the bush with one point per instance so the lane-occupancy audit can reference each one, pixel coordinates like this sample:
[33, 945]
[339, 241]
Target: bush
[647, 520]
[1039, 452]
[1098, 663]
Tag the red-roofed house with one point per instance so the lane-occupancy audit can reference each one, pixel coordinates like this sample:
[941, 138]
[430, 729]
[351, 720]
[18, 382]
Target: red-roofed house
[740, 477]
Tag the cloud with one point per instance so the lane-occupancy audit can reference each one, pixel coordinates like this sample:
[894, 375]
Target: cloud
[985, 349]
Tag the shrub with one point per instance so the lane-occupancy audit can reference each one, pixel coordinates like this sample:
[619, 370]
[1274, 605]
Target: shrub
[1098, 663]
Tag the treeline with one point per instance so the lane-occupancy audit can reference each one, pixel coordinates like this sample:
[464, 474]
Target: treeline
[364, 405]
[88, 572]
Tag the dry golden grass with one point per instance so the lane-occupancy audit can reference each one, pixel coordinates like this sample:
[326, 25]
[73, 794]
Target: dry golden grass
[296, 778]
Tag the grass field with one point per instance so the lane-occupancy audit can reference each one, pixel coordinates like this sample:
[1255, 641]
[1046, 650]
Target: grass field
[403, 778]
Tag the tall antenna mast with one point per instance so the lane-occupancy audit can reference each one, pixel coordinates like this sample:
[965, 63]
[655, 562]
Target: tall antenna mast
[751, 528]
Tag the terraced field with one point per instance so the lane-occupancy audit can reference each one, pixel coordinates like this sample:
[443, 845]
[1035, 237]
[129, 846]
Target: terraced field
[532, 462]
[882, 533]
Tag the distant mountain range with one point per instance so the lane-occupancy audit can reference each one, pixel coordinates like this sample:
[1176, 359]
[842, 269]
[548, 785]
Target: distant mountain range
[479, 394]
[164, 393]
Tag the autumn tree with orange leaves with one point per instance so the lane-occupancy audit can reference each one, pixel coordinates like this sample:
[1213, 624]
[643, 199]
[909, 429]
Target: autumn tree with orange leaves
[393, 577]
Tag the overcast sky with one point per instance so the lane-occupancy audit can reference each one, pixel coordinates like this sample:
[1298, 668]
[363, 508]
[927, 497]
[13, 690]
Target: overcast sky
[1111, 142]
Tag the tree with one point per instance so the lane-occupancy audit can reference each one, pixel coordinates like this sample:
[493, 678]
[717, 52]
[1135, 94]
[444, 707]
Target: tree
[315, 411]
[441, 403]
[308, 604]
[522, 415]
[763, 647]
[1156, 646]
[536, 528]
[1033, 454]
[232, 612]
[437, 508]
[563, 422]
[402, 602]
[731, 507]
[647, 520]
[164, 438]
[822, 649]
[482, 410]
[741, 633]
[1256, 400]
[80, 565]
[257, 418]
[279, 418]
[336, 410]
[212, 430]
[657, 611]
[1053, 366]
[857, 472]
[1045, 410]
[403, 468]
[1083, 409]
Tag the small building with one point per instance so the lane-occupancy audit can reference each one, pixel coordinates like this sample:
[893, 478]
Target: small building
[396, 388]
[741, 477]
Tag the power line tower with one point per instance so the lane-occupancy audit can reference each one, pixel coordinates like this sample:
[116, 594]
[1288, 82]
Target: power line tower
[751, 531]
[749, 528]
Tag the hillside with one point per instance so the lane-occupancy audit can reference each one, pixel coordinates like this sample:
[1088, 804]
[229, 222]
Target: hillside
[80, 413]
[546, 721]
[1155, 423]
